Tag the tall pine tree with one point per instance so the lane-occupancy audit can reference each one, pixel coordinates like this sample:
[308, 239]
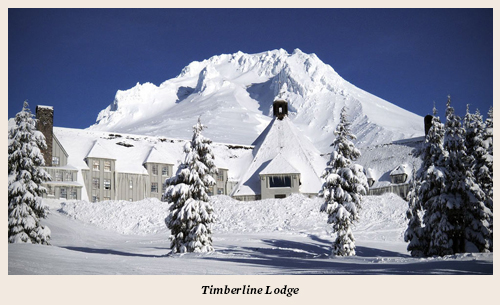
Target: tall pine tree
[345, 183]
[414, 233]
[191, 213]
[462, 225]
[24, 181]
[480, 162]
[427, 186]
[485, 175]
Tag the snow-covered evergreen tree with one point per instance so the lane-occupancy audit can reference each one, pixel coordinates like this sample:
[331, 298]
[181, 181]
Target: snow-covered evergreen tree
[427, 185]
[459, 222]
[191, 213]
[414, 233]
[485, 175]
[24, 181]
[480, 161]
[345, 184]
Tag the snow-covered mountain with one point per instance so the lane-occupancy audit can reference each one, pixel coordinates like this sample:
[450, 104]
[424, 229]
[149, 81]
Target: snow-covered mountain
[233, 94]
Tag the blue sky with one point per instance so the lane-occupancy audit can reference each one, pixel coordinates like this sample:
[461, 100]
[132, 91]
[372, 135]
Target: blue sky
[76, 59]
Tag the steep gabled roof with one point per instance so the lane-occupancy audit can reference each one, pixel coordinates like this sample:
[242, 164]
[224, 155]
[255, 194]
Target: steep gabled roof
[279, 165]
[281, 138]
[159, 155]
[98, 151]
[401, 169]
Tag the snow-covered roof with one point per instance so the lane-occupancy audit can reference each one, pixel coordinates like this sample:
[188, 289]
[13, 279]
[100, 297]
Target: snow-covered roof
[158, 154]
[98, 151]
[282, 138]
[279, 165]
[370, 173]
[132, 151]
[400, 170]
[43, 106]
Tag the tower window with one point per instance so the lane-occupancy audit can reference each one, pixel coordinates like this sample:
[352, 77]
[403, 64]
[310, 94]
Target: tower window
[280, 181]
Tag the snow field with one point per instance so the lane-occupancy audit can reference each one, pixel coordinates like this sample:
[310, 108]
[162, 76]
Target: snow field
[274, 236]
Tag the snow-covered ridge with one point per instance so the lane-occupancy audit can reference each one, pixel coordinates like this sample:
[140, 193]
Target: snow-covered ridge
[233, 93]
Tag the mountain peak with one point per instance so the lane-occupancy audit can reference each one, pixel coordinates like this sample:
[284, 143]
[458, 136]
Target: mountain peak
[234, 92]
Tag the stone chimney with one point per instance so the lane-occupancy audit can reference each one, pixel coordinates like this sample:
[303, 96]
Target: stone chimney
[427, 123]
[45, 124]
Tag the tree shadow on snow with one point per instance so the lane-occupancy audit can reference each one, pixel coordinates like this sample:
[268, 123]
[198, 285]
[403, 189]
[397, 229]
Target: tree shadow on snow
[109, 251]
[313, 258]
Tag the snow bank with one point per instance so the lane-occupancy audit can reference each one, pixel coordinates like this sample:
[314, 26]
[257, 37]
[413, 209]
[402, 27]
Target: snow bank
[137, 218]
[382, 217]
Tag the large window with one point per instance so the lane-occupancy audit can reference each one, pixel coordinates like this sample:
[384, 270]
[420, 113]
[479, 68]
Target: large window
[220, 176]
[58, 176]
[68, 176]
[154, 187]
[55, 161]
[164, 171]
[155, 169]
[280, 181]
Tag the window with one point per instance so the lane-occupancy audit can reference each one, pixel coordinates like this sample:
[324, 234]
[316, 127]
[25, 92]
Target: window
[131, 184]
[58, 176]
[73, 194]
[55, 161]
[280, 196]
[154, 187]
[164, 171]
[155, 169]
[220, 191]
[163, 187]
[107, 184]
[95, 165]
[280, 181]
[399, 178]
[68, 176]
[63, 193]
[106, 198]
[95, 183]
[220, 176]
[94, 198]
[107, 166]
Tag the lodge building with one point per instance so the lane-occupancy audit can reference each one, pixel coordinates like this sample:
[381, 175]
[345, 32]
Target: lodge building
[110, 169]
[129, 167]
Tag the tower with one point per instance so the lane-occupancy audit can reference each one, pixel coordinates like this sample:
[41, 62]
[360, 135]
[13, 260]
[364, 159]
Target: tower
[280, 108]
[44, 124]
